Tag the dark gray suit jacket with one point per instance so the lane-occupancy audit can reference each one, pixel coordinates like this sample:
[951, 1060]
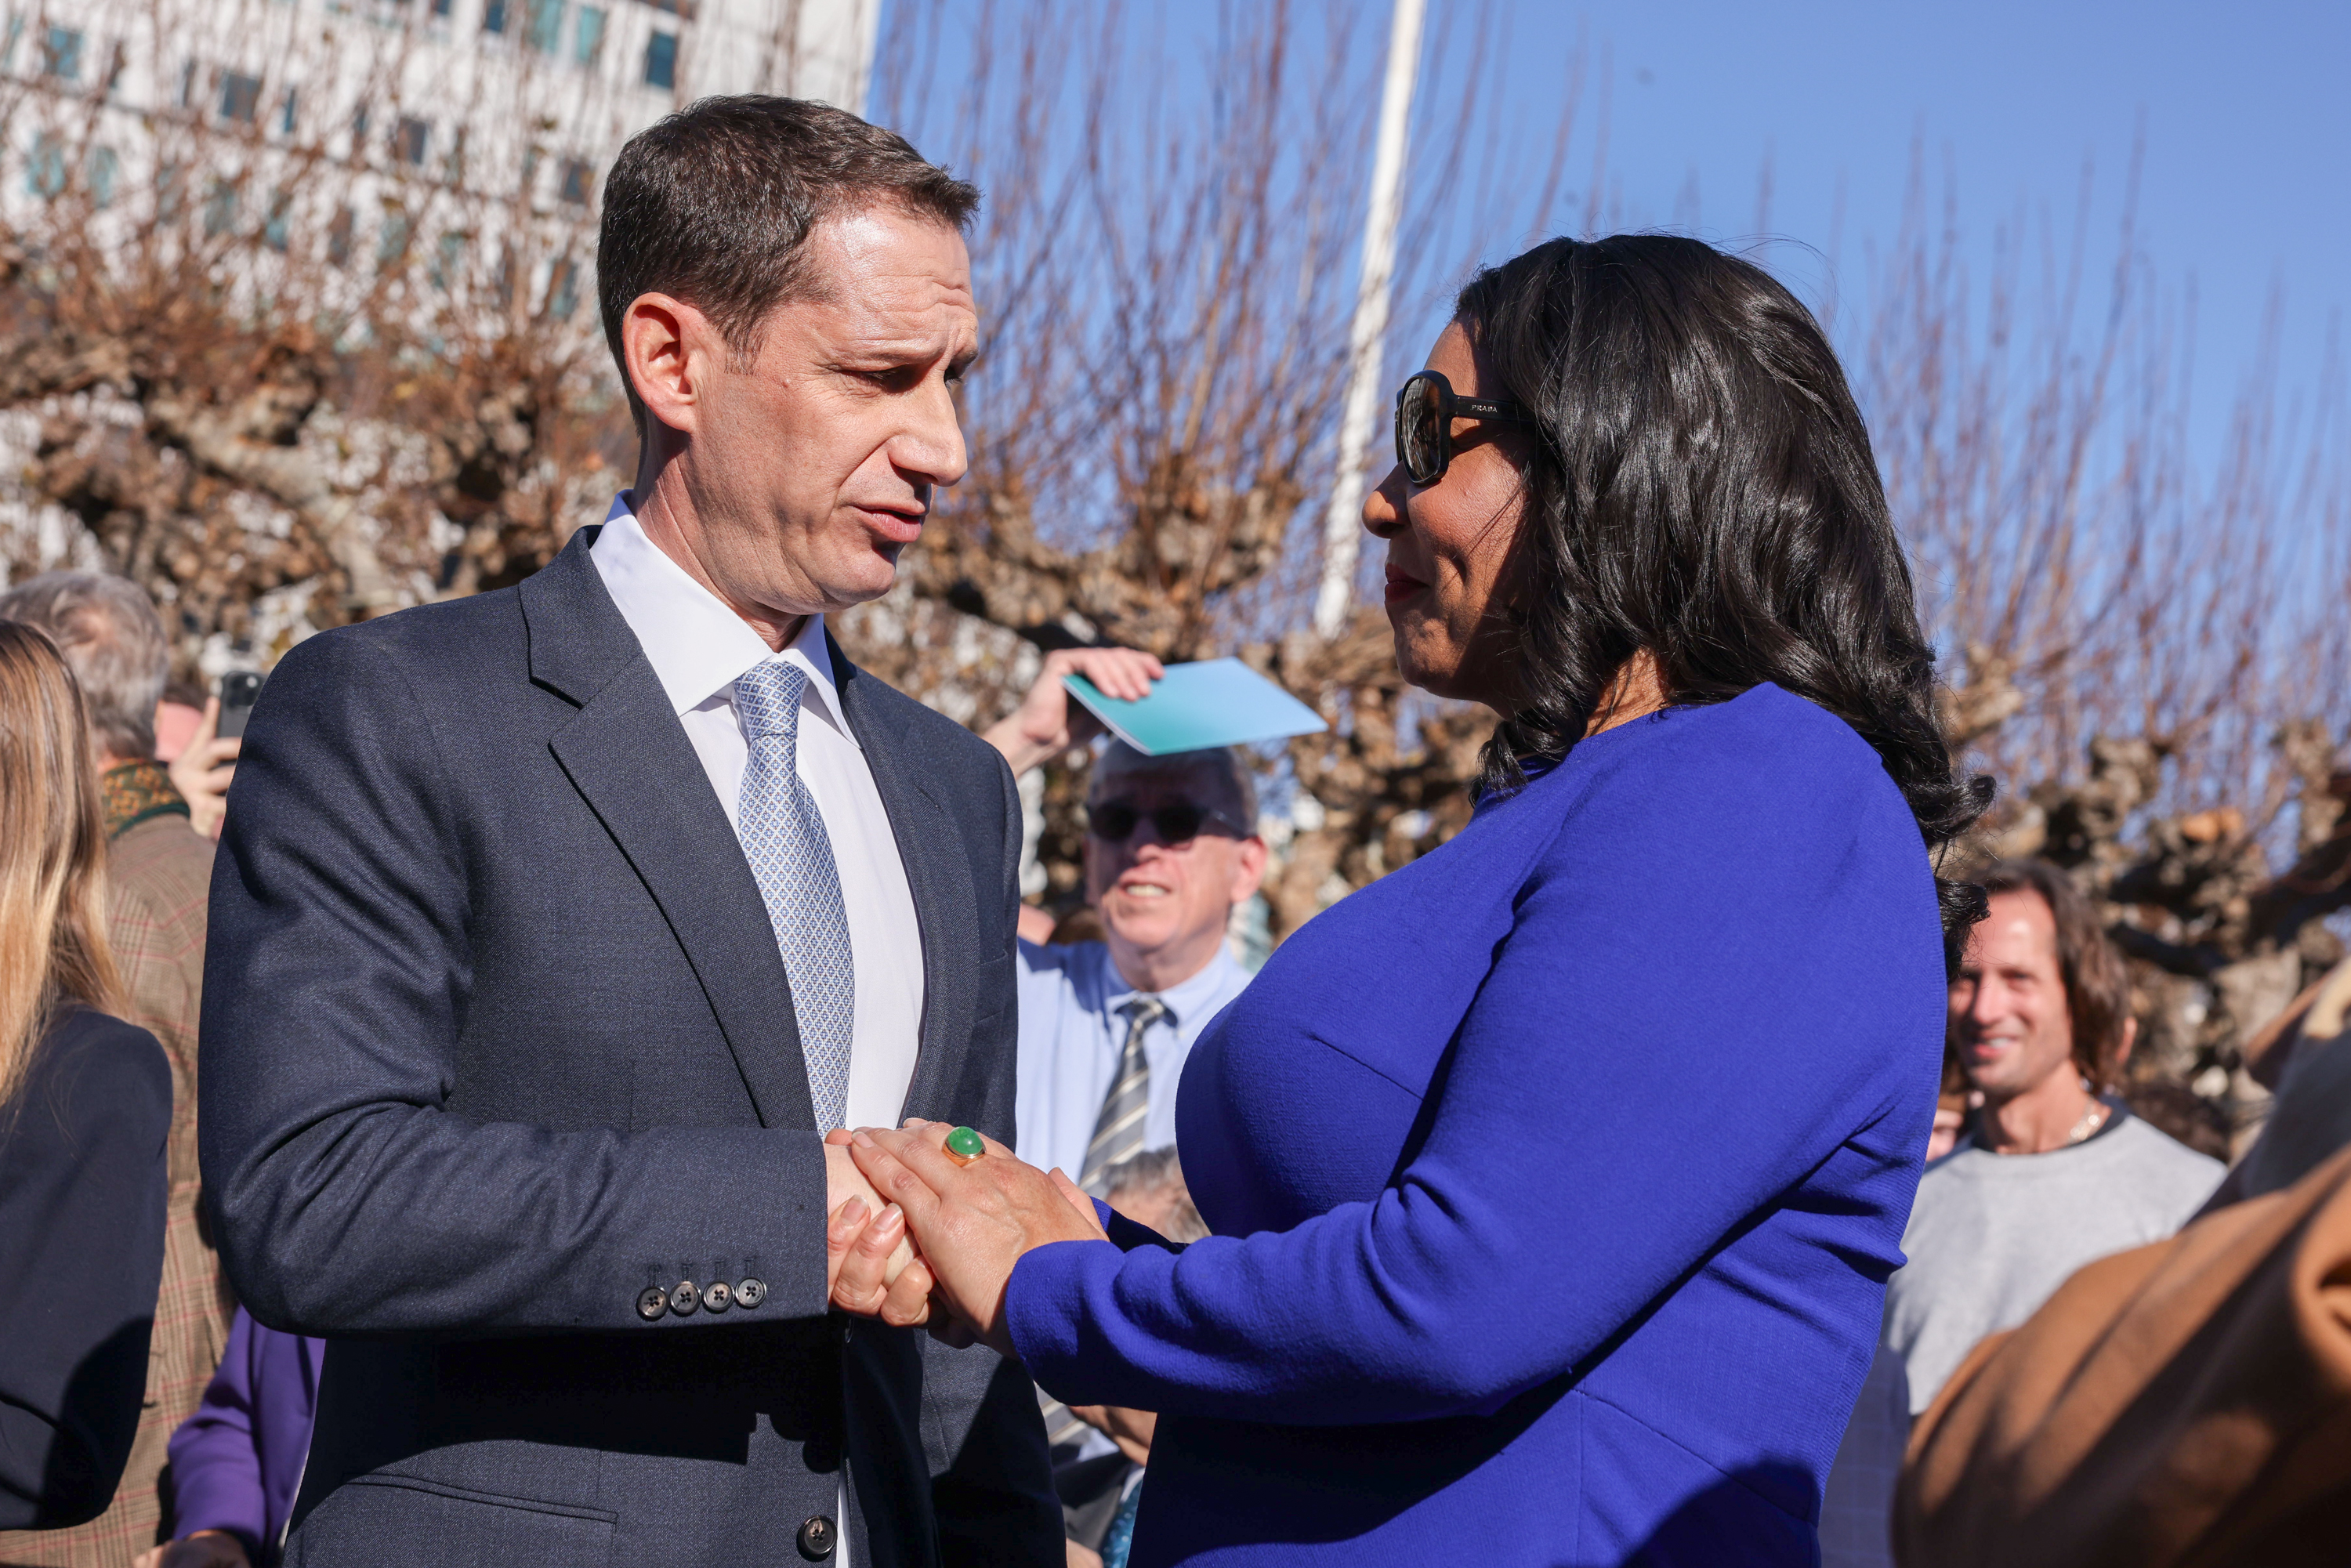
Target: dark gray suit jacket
[496, 1037]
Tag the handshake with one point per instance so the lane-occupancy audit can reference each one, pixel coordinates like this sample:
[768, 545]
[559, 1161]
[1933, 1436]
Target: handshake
[918, 1237]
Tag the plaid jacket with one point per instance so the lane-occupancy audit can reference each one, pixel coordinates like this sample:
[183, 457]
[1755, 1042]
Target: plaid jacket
[158, 875]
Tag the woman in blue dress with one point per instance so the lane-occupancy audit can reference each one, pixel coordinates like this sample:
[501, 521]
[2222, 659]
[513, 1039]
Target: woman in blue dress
[1555, 1177]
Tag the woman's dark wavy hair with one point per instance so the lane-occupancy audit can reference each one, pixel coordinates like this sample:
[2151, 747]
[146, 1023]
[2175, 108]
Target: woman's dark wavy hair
[1703, 487]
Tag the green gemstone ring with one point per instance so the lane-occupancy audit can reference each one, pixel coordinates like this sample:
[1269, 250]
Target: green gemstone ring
[964, 1146]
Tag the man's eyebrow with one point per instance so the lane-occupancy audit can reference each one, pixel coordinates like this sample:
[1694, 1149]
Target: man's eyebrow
[892, 348]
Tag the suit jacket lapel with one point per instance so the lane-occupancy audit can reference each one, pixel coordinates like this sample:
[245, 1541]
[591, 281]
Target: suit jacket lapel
[627, 755]
[939, 873]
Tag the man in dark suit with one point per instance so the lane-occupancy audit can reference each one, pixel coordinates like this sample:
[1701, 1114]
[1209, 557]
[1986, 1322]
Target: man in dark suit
[554, 926]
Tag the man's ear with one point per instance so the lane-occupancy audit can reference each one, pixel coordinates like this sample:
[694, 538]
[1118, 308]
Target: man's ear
[1249, 869]
[671, 351]
[2129, 1038]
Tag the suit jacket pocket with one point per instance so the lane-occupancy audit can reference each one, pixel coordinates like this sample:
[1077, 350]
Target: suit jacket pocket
[401, 1521]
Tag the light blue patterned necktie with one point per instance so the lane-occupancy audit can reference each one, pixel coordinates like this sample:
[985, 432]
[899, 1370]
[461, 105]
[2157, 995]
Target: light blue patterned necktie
[791, 857]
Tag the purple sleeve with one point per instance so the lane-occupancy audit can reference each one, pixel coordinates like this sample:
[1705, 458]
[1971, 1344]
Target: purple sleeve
[215, 1454]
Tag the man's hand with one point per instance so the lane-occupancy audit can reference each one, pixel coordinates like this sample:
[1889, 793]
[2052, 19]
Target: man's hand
[859, 1228]
[1130, 1429]
[204, 1549]
[199, 775]
[1046, 723]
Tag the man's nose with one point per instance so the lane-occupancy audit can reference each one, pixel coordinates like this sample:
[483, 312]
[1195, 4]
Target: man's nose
[931, 449]
[1991, 1002]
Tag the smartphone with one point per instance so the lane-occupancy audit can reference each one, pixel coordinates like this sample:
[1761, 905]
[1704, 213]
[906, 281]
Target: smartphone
[238, 689]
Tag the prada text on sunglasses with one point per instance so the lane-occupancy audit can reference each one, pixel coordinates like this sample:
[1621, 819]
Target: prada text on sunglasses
[1114, 821]
[1425, 409]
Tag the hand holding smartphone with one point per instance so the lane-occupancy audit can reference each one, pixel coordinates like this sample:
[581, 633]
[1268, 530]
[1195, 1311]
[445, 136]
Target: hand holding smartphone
[201, 773]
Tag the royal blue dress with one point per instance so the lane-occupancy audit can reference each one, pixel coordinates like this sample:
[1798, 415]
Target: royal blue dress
[1555, 1178]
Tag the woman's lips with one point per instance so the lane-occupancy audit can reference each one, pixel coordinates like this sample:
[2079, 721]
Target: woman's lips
[1401, 587]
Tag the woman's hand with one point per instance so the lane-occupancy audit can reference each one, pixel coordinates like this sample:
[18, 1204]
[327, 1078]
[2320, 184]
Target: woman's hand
[972, 1223]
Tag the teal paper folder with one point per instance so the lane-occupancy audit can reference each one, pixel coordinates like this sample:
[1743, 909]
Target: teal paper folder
[1216, 702]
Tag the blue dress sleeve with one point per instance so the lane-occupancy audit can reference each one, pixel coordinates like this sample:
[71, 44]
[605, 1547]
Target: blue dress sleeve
[1686, 1016]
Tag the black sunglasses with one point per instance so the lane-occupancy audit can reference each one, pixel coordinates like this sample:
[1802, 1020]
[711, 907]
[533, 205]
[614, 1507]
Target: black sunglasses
[1114, 821]
[1427, 406]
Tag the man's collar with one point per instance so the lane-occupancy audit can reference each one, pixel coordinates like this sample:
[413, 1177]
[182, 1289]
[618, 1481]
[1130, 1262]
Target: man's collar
[697, 646]
[1182, 1000]
[133, 792]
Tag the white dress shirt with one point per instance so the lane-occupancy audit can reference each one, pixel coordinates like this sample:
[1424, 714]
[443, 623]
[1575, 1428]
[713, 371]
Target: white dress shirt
[1072, 1035]
[697, 647]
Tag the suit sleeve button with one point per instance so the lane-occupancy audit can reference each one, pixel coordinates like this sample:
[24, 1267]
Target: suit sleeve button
[816, 1538]
[683, 1297]
[717, 1297]
[751, 1293]
[653, 1303]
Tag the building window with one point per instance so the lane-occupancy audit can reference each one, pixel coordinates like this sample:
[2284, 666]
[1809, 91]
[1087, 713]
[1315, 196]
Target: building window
[408, 141]
[240, 98]
[339, 237]
[588, 43]
[660, 60]
[391, 240]
[220, 209]
[286, 119]
[543, 24]
[46, 176]
[577, 182]
[562, 291]
[61, 54]
[448, 260]
[101, 169]
[494, 16]
[441, 10]
[170, 192]
[278, 227]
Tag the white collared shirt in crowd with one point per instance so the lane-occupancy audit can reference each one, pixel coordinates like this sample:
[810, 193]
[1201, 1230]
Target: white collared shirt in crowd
[1072, 1035]
[697, 648]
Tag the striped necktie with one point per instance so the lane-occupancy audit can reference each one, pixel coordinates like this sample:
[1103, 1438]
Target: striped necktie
[792, 859]
[1118, 1131]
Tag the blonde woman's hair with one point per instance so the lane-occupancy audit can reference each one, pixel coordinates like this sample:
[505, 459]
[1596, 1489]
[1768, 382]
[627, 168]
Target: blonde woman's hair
[53, 943]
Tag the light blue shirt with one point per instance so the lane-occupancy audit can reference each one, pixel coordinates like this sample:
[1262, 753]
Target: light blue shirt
[1071, 1034]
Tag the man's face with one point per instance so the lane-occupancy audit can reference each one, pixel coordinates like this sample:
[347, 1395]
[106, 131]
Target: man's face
[2008, 1018]
[814, 465]
[1154, 895]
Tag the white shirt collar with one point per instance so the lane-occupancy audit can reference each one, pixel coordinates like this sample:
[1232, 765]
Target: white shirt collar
[697, 645]
[1183, 999]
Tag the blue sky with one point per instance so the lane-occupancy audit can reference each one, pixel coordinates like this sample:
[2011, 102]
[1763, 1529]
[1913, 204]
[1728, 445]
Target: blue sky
[2244, 110]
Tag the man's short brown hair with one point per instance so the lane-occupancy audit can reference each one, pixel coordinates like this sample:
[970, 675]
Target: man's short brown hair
[2097, 986]
[713, 205]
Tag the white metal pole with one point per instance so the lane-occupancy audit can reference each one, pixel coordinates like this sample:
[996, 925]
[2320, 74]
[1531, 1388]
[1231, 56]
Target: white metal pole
[1343, 525]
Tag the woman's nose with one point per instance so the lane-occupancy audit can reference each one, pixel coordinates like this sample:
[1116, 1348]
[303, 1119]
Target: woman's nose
[1383, 509]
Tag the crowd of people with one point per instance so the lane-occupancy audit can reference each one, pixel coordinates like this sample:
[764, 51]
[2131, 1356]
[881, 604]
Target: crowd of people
[636, 1109]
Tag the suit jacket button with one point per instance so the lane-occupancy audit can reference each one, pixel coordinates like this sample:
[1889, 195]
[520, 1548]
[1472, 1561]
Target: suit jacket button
[683, 1298]
[717, 1297]
[816, 1538]
[751, 1293]
[653, 1303]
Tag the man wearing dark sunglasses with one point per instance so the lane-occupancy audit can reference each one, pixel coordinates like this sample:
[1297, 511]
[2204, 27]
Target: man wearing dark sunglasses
[1171, 848]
